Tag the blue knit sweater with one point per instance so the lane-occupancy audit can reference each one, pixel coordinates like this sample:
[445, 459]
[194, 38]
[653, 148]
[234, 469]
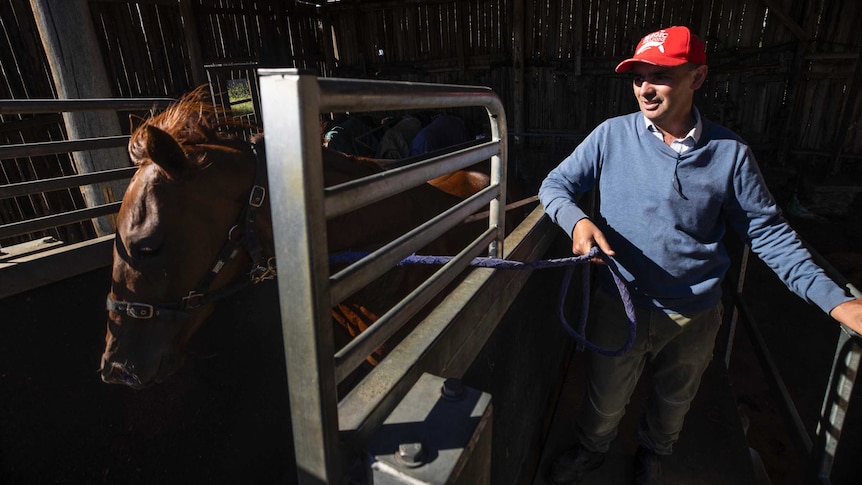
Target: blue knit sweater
[664, 214]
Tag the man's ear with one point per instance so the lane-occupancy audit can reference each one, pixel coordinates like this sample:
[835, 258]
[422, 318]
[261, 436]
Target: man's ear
[699, 76]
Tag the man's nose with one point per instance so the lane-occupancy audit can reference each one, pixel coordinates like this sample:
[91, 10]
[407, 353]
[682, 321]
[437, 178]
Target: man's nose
[645, 88]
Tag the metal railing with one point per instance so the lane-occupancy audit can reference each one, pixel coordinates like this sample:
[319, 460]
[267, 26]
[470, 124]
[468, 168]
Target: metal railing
[327, 431]
[820, 450]
[21, 274]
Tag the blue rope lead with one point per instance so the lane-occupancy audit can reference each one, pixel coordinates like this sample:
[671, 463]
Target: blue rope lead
[580, 334]
[569, 263]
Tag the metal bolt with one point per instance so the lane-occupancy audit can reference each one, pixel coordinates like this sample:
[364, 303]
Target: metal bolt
[411, 454]
[453, 390]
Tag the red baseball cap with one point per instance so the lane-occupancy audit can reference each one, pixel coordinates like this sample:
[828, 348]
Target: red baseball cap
[669, 47]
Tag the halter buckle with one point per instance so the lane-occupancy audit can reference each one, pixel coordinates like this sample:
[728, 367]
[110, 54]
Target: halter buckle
[261, 273]
[257, 196]
[140, 311]
[192, 301]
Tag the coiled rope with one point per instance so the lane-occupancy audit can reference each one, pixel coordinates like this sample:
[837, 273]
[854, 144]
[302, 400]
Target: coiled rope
[570, 263]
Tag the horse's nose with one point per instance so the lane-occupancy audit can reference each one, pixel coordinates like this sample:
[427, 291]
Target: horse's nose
[118, 373]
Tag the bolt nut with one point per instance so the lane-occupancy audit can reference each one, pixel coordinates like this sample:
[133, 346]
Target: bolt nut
[410, 455]
[453, 390]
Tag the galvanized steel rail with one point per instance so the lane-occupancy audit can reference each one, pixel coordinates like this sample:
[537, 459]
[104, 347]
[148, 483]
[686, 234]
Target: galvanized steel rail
[291, 104]
[59, 263]
[820, 450]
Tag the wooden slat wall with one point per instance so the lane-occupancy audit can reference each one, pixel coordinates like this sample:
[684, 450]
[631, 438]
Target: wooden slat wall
[758, 84]
[143, 47]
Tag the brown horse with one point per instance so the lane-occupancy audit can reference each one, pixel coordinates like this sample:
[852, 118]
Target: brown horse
[194, 219]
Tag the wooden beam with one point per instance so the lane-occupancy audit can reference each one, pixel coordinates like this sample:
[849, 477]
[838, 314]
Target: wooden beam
[78, 71]
[33, 270]
[785, 18]
[193, 42]
[518, 66]
[846, 117]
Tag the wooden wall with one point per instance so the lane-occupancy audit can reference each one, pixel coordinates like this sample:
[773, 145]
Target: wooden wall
[785, 74]
[782, 72]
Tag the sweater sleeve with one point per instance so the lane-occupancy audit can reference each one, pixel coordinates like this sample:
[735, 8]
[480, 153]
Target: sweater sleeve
[753, 213]
[573, 177]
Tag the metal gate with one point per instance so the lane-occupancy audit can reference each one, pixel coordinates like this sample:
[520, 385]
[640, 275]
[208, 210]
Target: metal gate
[327, 433]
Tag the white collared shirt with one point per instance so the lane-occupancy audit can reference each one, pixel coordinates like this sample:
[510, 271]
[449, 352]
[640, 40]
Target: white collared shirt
[680, 145]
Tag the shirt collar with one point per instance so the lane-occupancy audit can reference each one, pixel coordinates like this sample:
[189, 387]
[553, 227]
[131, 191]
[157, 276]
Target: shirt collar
[694, 134]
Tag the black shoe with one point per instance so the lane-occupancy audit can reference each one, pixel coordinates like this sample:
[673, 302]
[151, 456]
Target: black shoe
[647, 467]
[570, 467]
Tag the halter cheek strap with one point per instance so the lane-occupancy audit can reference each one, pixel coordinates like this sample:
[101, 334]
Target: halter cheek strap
[261, 267]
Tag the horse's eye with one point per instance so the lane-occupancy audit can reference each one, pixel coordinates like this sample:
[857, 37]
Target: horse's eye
[145, 248]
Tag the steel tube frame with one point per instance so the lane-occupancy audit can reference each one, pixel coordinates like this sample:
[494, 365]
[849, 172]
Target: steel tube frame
[65, 182]
[63, 262]
[47, 222]
[356, 276]
[344, 198]
[353, 354]
[836, 400]
[64, 146]
[291, 103]
[447, 341]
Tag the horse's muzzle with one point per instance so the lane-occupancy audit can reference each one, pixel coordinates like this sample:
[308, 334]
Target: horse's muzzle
[117, 373]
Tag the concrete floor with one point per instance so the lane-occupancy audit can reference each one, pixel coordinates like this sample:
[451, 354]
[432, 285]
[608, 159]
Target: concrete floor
[712, 448]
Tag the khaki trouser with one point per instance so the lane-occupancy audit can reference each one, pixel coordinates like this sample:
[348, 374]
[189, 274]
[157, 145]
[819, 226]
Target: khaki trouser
[678, 347]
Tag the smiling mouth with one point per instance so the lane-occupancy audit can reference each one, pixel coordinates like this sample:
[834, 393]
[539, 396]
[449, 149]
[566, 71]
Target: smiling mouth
[650, 105]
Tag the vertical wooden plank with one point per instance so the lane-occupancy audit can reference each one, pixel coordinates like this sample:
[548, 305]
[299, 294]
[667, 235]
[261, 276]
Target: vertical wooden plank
[552, 31]
[461, 35]
[518, 59]
[107, 29]
[193, 43]
[631, 35]
[847, 108]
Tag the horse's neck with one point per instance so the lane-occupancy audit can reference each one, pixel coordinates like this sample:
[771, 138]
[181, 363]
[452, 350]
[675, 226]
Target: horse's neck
[339, 167]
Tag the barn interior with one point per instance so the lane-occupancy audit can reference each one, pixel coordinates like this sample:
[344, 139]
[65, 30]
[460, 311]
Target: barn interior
[783, 74]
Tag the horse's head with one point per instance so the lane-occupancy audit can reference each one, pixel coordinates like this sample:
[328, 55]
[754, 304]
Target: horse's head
[181, 228]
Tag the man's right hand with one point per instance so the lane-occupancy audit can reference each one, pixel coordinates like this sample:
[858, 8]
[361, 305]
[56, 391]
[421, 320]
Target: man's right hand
[585, 235]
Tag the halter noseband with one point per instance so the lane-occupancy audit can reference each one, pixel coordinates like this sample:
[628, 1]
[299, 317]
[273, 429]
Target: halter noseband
[261, 268]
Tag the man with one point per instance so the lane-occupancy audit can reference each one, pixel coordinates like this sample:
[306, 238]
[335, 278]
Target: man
[668, 181]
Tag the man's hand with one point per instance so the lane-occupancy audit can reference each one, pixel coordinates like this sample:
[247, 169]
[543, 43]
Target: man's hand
[585, 235]
[849, 313]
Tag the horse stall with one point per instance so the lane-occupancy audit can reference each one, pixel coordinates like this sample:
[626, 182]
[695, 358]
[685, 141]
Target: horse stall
[464, 375]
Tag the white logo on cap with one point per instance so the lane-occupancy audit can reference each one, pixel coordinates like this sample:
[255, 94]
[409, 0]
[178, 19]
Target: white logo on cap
[656, 39]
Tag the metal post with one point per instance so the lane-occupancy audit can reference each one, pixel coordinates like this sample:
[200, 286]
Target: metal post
[293, 154]
[70, 43]
[734, 319]
[498, 176]
[836, 401]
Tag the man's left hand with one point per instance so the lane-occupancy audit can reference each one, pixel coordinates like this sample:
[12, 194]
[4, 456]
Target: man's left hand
[849, 313]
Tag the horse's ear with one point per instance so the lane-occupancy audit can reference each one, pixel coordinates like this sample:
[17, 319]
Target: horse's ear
[164, 150]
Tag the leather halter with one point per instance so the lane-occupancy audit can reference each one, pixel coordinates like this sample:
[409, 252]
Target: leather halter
[262, 268]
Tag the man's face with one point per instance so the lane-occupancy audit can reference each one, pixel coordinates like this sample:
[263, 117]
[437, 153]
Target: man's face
[665, 94]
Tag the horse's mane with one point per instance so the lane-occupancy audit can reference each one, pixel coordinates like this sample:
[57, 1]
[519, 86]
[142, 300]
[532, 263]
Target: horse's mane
[192, 120]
